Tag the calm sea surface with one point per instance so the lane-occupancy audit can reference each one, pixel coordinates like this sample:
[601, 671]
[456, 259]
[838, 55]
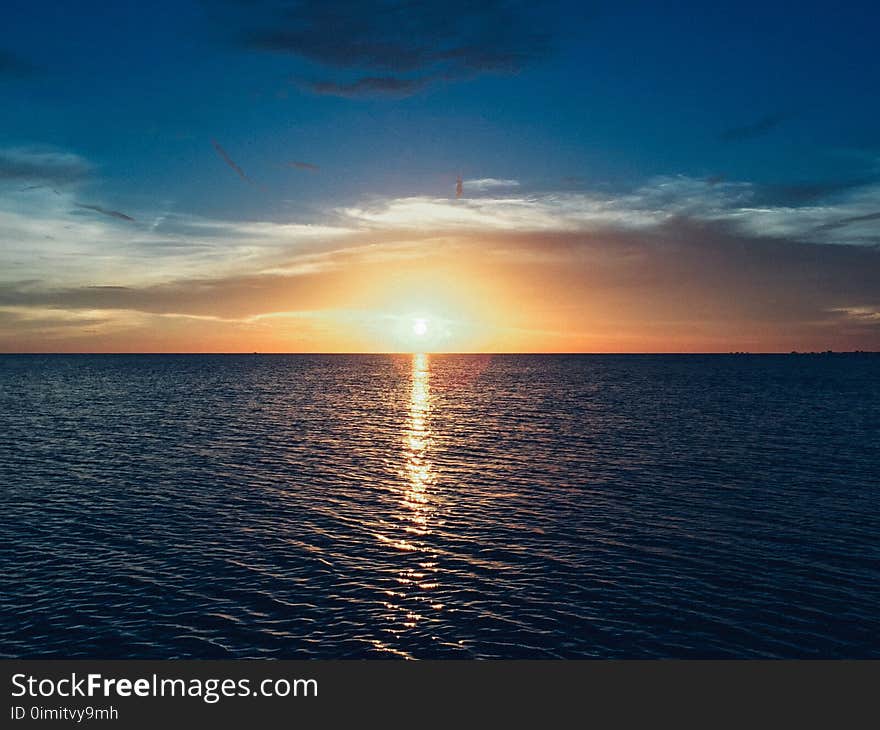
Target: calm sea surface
[441, 506]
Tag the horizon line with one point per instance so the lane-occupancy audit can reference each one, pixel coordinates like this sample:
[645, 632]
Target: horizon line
[450, 352]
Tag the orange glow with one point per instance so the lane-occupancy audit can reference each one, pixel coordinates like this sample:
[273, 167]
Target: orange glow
[461, 293]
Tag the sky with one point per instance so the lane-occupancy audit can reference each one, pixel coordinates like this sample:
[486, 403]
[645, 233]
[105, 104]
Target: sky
[231, 176]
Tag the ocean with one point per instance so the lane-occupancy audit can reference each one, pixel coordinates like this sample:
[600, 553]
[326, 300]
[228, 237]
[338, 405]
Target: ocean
[440, 506]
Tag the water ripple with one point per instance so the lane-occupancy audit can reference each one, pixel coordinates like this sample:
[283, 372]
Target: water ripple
[439, 506]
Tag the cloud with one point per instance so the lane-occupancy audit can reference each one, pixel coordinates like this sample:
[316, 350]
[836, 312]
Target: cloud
[303, 166]
[677, 262]
[40, 239]
[41, 166]
[105, 211]
[758, 128]
[681, 283]
[490, 183]
[389, 41]
[842, 222]
[865, 315]
[49, 320]
[842, 218]
[229, 161]
[645, 207]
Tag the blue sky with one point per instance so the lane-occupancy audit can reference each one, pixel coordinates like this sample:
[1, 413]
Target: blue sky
[117, 106]
[623, 93]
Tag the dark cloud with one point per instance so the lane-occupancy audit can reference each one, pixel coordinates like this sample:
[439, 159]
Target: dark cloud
[229, 161]
[104, 211]
[712, 279]
[756, 129]
[397, 46]
[17, 320]
[235, 296]
[41, 167]
[849, 220]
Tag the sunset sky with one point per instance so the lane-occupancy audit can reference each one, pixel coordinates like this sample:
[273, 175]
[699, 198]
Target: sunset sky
[281, 176]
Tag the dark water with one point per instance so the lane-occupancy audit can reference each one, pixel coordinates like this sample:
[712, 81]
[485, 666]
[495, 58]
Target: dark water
[451, 506]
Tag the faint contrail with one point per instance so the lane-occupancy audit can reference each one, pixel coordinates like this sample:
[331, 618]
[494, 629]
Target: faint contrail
[104, 211]
[229, 161]
[459, 187]
[303, 166]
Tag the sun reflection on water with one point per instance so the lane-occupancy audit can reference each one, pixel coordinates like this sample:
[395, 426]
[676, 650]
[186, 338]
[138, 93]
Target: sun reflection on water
[418, 468]
[417, 576]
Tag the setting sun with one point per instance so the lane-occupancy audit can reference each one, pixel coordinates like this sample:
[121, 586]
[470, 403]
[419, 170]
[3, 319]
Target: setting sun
[420, 327]
[354, 330]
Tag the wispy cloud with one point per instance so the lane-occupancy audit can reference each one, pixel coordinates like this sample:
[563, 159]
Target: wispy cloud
[105, 211]
[41, 166]
[40, 239]
[850, 220]
[650, 205]
[843, 219]
[490, 183]
[682, 244]
[303, 166]
[681, 281]
[229, 161]
[868, 315]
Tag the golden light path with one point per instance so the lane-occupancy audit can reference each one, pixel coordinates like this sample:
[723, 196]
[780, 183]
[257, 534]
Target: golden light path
[417, 438]
[417, 505]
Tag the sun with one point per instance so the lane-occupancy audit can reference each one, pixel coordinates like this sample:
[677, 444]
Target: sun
[419, 331]
[420, 327]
